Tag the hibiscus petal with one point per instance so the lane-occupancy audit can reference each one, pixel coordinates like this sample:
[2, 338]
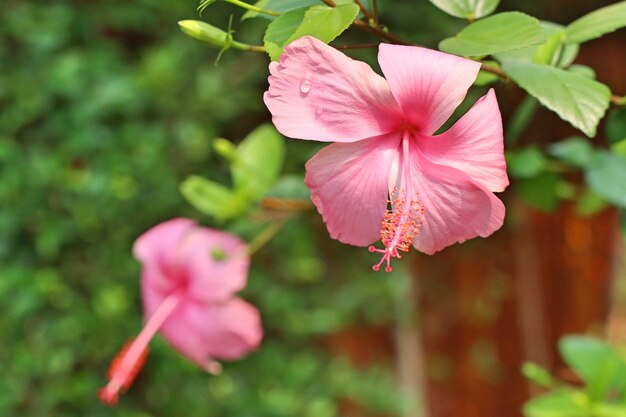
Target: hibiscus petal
[427, 84]
[202, 332]
[348, 183]
[456, 208]
[156, 250]
[473, 145]
[215, 264]
[318, 93]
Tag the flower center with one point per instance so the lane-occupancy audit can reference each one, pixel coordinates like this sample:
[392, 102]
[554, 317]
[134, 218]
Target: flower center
[403, 219]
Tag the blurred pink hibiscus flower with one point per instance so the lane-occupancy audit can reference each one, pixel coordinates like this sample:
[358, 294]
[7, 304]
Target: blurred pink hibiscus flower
[189, 276]
[439, 188]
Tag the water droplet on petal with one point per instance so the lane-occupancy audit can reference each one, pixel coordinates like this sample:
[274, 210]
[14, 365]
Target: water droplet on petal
[305, 86]
[319, 110]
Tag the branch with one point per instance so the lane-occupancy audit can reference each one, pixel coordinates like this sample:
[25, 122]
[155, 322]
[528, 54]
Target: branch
[366, 14]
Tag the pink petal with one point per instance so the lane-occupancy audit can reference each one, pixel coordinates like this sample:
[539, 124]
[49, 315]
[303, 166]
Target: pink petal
[473, 145]
[348, 183]
[202, 332]
[428, 85]
[215, 264]
[179, 256]
[318, 93]
[156, 249]
[456, 207]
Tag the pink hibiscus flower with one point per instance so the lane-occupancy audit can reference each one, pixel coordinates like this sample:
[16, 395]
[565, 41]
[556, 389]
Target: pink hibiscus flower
[189, 275]
[439, 188]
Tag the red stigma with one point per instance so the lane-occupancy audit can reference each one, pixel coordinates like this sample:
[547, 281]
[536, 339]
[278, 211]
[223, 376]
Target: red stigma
[121, 374]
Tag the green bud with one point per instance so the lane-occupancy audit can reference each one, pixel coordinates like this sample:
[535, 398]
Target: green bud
[205, 33]
[224, 148]
[537, 374]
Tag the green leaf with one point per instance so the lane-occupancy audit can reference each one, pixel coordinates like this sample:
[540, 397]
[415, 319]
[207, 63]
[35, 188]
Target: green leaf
[583, 70]
[257, 161]
[290, 187]
[616, 126]
[498, 33]
[589, 203]
[520, 119]
[561, 403]
[607, 176]
[526, 163]
[575, 98]
[541, 191]
[597, 23]
[546, 53]
[322, 22]
[610, 410]
[278, 6]
[575, 151]
[597, 363]
[467, 9]
[561, 56]
[211, 198]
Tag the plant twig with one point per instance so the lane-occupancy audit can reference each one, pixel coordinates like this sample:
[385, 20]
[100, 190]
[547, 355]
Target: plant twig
[364, 11]
[357, 46]
[265, 236]
[618, 101]
[378, 31]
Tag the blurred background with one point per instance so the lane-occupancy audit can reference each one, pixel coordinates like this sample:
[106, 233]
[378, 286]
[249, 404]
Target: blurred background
[105, 107]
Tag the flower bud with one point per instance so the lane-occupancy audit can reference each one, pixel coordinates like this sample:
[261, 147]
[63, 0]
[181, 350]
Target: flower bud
[205, 33]
[224, 148]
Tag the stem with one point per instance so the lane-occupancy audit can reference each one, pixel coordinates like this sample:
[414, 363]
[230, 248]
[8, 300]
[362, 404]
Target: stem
[265, 236]
[252, 8]
[366, 13]
[357, 46]
[618, 101]
[361, 24]
[494, 70]
[246, 47]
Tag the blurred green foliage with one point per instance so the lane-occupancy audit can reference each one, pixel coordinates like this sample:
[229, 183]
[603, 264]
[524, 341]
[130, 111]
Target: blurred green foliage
[105, 108]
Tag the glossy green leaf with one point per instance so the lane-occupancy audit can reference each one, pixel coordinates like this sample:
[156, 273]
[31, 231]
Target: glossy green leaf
[540, 191]
[575, 98]
[561, 56]
[607, 176]
[257, 161]
[498, 33]
[211, 198]
[526, 163]
[616, 125]
[322, 22]
[597, 363]
[560, 403]
[281, 6]
[597, 23]
[575, 151]
[467, 9]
